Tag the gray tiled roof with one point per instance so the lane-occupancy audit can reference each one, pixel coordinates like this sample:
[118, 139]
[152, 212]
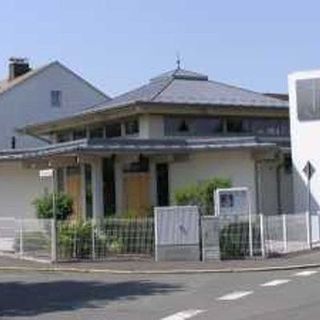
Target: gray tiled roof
[186, 87]
[152, 146]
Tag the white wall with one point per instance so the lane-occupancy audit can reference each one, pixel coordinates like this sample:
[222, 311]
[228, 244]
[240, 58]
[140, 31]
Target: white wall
[305, 144]
[18, 188]
[238, 166]
[29, 102]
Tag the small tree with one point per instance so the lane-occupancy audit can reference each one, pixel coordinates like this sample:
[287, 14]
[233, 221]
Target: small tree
[44, 206]
[201, 194]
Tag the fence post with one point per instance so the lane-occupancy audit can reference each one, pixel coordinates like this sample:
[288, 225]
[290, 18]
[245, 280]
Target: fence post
[21, 238]
[250, 236]
[93, 241]
[263, 249]
[285, 233]
[53, 240]
[309, 239]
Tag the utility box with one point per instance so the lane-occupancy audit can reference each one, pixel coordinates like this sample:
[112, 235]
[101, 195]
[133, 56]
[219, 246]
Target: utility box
[177, 233]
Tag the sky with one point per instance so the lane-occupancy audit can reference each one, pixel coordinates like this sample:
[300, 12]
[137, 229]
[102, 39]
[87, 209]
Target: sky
[118, 45]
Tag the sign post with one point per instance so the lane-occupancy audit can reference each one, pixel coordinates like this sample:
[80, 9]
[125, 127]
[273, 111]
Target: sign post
[51, 173]
[309, 170]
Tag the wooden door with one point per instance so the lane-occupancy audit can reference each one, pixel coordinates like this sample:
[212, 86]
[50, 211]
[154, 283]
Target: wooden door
[74, 190]
[136, 193]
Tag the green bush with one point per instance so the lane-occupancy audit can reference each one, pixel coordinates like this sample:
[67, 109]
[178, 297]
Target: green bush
[74, 239]
[201, 194]
[44, 206]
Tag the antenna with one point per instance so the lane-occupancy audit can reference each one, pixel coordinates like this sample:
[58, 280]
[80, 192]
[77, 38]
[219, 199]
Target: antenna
[178, 61]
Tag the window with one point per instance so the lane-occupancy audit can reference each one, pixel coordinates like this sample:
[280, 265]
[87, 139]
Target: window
[132, 127]
[88, 188]
[63, 137]
[56, 98]
[96, 133]
[235, 125]
[198, 126]
[308, 99]
[113, 130]
[79, 134]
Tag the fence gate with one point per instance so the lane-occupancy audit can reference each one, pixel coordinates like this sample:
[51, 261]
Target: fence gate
[177, 233]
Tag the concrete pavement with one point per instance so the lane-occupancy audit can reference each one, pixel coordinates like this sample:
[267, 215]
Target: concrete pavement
[280, 295]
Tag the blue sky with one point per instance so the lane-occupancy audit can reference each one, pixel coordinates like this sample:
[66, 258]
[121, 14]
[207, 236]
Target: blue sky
[120, 44]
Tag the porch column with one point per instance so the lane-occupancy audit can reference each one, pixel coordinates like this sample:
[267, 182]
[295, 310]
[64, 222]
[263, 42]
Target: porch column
[97, 189]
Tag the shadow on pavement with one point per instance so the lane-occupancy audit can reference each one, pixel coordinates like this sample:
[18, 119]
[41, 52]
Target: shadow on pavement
[31, 299]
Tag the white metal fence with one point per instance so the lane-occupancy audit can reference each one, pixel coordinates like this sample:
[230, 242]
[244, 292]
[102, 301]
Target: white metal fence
[226, 236]
[105, 239]
[27, 238]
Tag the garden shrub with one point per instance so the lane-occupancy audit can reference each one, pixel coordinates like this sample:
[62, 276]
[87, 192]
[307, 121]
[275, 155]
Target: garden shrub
[201, 194]
[44, 206]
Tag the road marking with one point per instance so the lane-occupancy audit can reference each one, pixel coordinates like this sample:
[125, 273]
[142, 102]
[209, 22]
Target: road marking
[305, 273]
[275, 283]
[235, 295]
[187, 314]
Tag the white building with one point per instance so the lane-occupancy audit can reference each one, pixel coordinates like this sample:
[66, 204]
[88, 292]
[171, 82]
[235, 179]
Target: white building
[137, 150]
[304, 92]
[28, 96]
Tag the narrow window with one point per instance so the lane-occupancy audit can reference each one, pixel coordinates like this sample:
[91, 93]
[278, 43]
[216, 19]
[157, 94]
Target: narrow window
[13, 142]
[56, 98]
[88, 188]
[132, 127]
[162, 184]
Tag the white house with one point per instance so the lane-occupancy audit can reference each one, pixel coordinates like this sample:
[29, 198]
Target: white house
[180, 128]
[304, 91]
[28, 96]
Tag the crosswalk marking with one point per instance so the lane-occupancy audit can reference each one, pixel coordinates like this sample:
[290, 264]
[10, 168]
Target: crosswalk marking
[235, 295]
[187, 314]
[275, 283]
[306, 273]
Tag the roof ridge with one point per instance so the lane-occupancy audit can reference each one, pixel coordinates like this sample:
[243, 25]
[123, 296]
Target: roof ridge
[166, 85]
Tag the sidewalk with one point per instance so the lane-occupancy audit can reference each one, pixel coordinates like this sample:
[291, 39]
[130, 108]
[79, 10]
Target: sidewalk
[302, 260]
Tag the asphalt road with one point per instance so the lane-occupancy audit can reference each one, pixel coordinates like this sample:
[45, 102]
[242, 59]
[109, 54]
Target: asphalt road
[268, 295]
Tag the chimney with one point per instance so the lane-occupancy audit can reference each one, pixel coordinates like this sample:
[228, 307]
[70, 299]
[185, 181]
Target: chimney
[18, 67]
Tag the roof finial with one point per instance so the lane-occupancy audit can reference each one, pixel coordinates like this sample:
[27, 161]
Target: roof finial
[178, 61]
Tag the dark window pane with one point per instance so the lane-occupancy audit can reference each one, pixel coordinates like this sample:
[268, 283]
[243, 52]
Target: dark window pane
[162, 184]
[56, 98]
[96, 133]
[109, 189]
[235, 125]
[132, 126]
[63, 137]
[88, 187]
[79, 134]
[113, 130]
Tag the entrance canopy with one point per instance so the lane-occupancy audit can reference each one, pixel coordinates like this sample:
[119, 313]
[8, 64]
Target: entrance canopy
[105, 147]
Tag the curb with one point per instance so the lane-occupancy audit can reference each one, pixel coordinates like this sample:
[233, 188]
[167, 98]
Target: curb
[158, 272]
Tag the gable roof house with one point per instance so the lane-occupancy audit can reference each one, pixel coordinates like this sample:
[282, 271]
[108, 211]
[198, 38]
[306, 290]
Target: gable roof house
[28, 96]
[136, 150]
